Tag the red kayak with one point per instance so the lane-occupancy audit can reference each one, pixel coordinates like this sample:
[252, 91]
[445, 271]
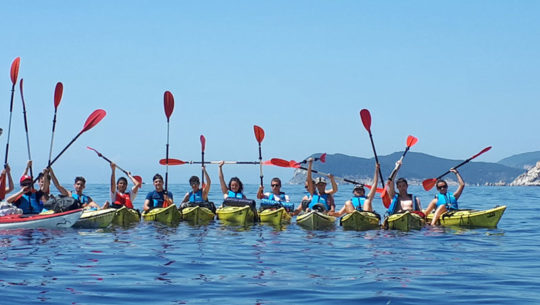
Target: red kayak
[49, 221]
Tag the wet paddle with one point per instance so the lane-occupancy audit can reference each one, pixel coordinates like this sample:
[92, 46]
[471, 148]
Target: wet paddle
[411, 141]
[168, 103]
[203, 146]
[259, 135]
[138, 178]
[58, 91]
[93, 119]
[428, 184]
[366, 121]
[14, 73]
[26, 127]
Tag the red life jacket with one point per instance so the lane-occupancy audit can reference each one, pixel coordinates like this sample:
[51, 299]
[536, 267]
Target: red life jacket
[123, 199]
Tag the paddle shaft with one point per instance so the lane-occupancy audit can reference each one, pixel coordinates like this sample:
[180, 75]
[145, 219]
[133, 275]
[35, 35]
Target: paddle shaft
[108, 160]
[26, 128]
[167, 157]
[460, 164]
[344, 179]
[376, 158]
[260, 164]
[52, 135]
[9, 124]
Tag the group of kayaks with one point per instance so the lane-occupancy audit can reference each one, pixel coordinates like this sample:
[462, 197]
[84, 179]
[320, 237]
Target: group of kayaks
[244, 214]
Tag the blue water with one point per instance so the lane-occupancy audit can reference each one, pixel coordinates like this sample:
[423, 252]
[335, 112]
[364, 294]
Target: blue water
[151, 263]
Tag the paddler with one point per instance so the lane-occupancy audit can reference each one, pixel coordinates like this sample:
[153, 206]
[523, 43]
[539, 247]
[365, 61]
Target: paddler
[119, 196]
[402, 201]
[79, 186]
[445, 201]
[234, 189]
[29, 200]
[159, 197]
[359, 201]
[276, 198]
[320, 196]
[197, 194]
[11, 185]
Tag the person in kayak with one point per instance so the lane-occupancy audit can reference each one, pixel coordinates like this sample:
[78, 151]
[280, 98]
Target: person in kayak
[276, 198]
[159, 197]
[28, 199]
[360, 202]
[402, 201]
[6, 172]
[321, 198]
[198, 194]
[234, 189]
[79, 186]
[445, 201]
[119, 196]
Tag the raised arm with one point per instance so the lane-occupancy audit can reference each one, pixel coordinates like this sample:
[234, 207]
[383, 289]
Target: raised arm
[461, 186]
[59, 187]
[113, 178]
[334, 185]
[45, 187]
[260, 192]
[206, 187]
[28, 165]
[390, 184]
[224, 188]
[373, 189]
[11, 185]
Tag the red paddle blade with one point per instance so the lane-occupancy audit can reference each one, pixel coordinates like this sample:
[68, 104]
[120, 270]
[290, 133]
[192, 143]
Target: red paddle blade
[294, 164]
[279, 162]
[94, 119]
[15, 70]
[386, 197]
[203, 143]
[138, 178]
[58, 90]
[428, 184]
[483, 151]
[411, 140]
[366, 119]
[322, 158]
[259, 133]
[171, 162]
[168, 103]
[267, 162]
[97, 152]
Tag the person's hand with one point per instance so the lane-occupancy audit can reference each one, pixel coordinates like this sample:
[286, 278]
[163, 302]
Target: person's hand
[453, 170]
[113, 165]
[29, 163]
[221, 163]
[330, 176]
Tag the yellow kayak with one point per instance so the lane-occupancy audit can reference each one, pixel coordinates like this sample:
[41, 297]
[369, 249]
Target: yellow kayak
[315, 220]
[169, 215]
[275, 217]
[236, 215]
[404, 221]
[124, 216]
[197, 215]
[471, 218]
[360, 221]
[93, 219]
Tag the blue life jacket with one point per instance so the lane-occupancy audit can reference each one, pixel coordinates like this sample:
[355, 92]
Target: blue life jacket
[319, 199]
[157, 198]
[232, 194]
[276, 198]
[30, 203]
[395, 204]
[83, 199]
[358, 202]
[448, 200]
[196, 197]
[271, 202]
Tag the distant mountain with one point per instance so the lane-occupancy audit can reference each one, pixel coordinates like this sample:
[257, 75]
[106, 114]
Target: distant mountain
[416, 168]
[522, 161]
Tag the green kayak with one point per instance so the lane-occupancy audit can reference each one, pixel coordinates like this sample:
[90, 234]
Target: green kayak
[124, 217]
[360, 221]
[275, 217]
[95, 219]
[197, 215]
[169, 215]
[471, 218]
[315, 220]
[404, 221]
[236, 215]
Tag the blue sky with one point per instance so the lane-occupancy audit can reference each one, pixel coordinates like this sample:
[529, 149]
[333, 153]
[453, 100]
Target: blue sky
[459, 75]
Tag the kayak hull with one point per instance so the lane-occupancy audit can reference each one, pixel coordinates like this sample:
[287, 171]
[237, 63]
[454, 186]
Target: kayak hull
[315, 220]
[471, 218]
[236, 215]
[406, 221]
[125, 217]
[197, 215]
[360, 221]
[275, 217]
[169, 215]
[95, 219]
[46, 221]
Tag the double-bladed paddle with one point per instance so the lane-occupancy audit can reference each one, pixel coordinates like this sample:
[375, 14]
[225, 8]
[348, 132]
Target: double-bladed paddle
[26, 127]
[259, 135]
[203, 146]
[180, 162]
[428, 184]
[58, 91]
[138, 178]
[168, 103]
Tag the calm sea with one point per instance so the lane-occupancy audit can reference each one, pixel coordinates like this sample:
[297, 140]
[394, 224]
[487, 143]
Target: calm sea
[151, 263]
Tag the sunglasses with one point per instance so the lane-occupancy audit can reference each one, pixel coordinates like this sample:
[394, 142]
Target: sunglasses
[275, 185]
[442, 187]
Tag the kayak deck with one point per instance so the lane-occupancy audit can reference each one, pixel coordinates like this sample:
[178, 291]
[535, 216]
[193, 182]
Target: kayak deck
[197, 215]
[95, 219]
[360, 221]
[314, 220]
[471, 218]
[125, 217]
[46, 221]
[236, 215]
[275, 217]
[169, 215]
[404, 221]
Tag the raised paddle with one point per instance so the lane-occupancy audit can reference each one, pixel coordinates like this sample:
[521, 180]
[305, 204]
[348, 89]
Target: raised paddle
[58, 91]
[93, 119]
[322, 158]
[168, 103]
[259, 135]
[26, 127]
[430, 183]
[411, 140]
[180, 162]
[366, 120]
[203, 146]
[14, 73]
[138, 178]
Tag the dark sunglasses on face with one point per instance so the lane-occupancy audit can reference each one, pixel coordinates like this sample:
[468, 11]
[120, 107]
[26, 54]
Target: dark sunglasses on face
[275, 185]
[442, 187]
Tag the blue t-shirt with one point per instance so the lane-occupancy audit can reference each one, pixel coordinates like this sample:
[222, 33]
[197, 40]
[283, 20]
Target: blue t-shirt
[156, 198]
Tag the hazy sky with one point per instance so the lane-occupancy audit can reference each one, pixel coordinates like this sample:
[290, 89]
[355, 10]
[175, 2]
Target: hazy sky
[459, 75]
